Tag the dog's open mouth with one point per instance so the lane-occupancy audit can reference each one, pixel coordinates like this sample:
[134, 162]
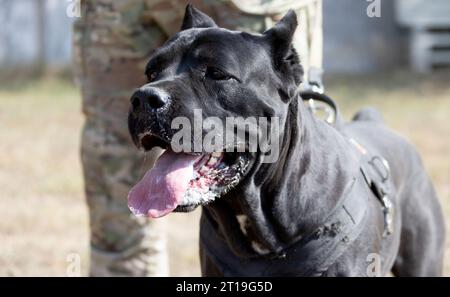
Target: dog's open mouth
[182, 181]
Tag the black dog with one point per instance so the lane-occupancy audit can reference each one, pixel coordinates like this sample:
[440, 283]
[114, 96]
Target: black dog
[329, 206]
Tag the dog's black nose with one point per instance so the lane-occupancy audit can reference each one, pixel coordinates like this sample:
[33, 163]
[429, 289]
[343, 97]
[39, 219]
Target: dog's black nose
[148, 98]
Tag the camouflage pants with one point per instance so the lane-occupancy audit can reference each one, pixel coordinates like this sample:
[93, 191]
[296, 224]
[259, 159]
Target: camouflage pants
[112, 41]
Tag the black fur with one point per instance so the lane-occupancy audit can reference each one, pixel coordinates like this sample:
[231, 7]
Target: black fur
[291, 197]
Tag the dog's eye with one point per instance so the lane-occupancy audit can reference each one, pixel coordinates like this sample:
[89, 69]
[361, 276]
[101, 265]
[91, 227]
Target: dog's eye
[216, 74]
[151, 76]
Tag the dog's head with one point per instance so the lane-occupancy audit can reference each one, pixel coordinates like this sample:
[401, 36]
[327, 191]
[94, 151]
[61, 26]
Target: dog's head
[201, 78]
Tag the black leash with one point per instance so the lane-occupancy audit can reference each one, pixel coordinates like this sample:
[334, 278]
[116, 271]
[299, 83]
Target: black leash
[317, 101]
[307, 95]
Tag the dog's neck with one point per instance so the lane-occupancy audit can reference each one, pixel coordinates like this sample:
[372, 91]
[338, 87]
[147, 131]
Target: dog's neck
[290, 198]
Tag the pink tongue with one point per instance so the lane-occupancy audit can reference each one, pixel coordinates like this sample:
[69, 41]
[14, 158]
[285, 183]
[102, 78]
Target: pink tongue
[163, 187]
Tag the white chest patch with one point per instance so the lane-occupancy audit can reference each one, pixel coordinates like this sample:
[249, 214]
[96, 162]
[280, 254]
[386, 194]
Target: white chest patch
[243, 223]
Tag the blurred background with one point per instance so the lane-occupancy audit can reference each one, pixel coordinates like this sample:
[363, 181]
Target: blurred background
[399, 63]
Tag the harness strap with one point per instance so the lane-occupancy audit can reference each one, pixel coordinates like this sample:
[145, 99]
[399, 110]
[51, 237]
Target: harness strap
[375, 168]
[376, 173]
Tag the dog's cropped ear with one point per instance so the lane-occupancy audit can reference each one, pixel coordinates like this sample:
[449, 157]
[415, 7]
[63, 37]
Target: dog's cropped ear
[280, 39]
[280, 36]
[194, 18]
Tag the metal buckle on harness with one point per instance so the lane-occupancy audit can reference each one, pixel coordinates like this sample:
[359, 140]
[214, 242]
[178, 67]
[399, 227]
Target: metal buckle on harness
[388, 208]
[316, 106]
[381, 167]
[388, 211]
[376, 161]
[317, 102]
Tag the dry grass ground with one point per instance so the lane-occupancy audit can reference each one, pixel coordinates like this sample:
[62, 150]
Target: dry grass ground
[43, 217]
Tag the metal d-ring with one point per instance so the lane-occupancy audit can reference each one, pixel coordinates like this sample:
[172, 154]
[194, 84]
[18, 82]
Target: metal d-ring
[376, 161]
[317, 105]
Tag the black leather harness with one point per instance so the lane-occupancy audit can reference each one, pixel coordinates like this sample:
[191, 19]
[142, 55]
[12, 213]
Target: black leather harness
[316, 252]
[375, 168]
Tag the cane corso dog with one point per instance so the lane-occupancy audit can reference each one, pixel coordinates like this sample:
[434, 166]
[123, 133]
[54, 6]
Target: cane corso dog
[347, 200]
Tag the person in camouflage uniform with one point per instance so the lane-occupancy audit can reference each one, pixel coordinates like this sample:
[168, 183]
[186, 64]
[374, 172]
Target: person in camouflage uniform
[112, 43]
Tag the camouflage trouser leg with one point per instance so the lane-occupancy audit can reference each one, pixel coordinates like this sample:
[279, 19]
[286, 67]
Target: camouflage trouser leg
[111, 48]
[308, 38]
[121, 244]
